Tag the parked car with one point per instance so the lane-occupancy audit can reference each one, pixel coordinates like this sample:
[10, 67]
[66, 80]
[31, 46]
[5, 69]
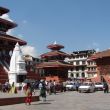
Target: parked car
[70, 86]
[99, 86]
[87, 87]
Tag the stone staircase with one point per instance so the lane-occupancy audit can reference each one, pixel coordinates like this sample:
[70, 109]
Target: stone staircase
[3, 75]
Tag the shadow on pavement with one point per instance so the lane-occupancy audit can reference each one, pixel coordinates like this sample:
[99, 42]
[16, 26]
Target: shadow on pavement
[49, 100]
[42, 103]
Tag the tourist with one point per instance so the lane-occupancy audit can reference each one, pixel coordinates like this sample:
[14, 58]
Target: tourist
[54, 87]
[7, 86]
[13, 88]
[50, 87]
[106, 88]
[77, 85]
[28, 93]
[64, 86]
[43, 91]
[40, 84]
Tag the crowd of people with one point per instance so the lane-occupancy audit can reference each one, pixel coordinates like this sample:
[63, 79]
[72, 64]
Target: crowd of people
[7, 87]
[44, 87]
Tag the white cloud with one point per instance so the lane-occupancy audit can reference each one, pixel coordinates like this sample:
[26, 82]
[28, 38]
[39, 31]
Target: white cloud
[29, 50]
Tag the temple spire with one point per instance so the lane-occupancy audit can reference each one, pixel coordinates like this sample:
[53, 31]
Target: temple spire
[17, 64]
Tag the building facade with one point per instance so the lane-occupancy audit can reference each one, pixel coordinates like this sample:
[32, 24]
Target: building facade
[82, 66]
[102, 60]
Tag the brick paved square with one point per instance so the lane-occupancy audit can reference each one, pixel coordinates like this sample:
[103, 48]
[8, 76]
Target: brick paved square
[68, 101]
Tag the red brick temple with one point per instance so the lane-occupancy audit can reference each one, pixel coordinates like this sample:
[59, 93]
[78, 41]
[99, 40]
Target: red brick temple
[102, 60]
[7, 44]
[53, 66]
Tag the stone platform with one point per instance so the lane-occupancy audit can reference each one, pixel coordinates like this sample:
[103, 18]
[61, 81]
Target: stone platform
[9, 99]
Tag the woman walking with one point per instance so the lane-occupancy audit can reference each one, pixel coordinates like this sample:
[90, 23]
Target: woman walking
[28, 93]
[43, 91]
[106, 88]
[13, 88]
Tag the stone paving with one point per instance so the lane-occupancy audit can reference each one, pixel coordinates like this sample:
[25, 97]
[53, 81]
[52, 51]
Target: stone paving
[67, 101]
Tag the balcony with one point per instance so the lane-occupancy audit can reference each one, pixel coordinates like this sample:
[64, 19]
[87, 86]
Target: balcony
[91, 65]
[77, 71]
[80, 64]
[91, 71]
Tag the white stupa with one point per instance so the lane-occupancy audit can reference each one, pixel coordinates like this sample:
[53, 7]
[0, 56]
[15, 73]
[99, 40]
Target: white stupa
[17, 70]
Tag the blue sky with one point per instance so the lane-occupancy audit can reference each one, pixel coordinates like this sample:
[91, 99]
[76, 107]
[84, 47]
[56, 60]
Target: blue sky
[76, 24]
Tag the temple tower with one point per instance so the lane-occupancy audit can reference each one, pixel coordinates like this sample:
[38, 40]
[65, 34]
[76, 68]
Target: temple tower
[7, 44]
[53, 66]
[17, 70]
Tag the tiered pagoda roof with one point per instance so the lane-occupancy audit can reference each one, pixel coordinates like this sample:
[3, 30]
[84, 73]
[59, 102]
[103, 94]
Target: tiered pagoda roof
[54, 64]
[7, 24]
[55, 46]
[10, 38]
[54, 53]
[7, 43]
[3, 10]
[102, 54]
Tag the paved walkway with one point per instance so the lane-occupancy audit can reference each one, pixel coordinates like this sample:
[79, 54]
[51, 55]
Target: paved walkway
[68, 101]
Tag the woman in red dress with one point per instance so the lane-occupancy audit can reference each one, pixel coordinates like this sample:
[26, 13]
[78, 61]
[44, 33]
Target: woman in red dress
[28, 93]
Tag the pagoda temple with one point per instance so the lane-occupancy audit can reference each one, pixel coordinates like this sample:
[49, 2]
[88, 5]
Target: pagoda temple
[102, 60]
[53, 66]
[7, 45]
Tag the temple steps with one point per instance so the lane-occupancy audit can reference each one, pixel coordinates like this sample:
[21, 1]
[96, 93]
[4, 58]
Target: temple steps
[10, 99]
[3, 75]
